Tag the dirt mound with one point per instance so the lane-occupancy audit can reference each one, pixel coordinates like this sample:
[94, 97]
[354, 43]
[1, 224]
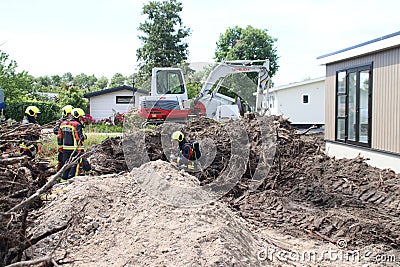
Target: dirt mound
[111, 221]
[304, 192]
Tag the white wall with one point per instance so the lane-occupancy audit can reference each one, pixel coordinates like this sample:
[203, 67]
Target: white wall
[288, 102]
[102, 106]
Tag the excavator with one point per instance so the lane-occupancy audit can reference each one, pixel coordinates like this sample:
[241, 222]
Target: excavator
[168, 98]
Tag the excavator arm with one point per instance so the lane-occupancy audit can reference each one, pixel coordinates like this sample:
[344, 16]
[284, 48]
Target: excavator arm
[226, 68]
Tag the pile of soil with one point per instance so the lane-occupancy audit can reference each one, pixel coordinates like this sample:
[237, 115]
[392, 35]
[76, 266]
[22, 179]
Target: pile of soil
[113, 222]
[107, 157]
[305, 191]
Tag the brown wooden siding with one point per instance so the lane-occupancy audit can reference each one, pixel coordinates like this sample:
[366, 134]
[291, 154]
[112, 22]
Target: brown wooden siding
[385, 100]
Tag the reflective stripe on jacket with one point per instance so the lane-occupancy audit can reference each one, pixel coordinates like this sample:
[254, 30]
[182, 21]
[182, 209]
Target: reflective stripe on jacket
[70, 135]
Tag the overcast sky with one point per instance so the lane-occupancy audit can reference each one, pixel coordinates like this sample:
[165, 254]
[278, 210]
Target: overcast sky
[49, 37]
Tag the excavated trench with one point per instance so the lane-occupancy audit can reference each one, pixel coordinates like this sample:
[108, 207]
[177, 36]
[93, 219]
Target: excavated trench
[304, 192]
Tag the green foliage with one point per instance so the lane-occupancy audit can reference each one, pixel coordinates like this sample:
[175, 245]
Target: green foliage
[193, 89]
[247, 44]
[163, 37]
[49, 111]
[193, 79]
[118, 80]
[84, 82]
[240, 85]
[100, 84]
[103, 128]
[15, 85]
[71, 95]
[67, 78]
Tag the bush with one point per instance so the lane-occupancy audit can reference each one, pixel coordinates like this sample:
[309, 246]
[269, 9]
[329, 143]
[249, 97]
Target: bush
[88, 119]
[49, 111]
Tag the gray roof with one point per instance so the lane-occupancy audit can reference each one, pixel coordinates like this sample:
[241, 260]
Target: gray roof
[360, 45]
[115, 89]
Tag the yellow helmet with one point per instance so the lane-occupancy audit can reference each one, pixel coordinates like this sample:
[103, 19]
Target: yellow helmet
[67, 110]
[77, 112]
[178, 135]
[32, 110]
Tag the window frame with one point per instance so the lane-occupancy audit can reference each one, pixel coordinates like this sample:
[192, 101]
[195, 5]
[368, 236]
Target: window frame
[354, 69]
[165, 82]
[123, 97]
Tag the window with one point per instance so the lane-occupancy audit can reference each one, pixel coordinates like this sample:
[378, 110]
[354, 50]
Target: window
[169, 82]
[271, 101]
[353, 105]
[305, 99]
[123, 99]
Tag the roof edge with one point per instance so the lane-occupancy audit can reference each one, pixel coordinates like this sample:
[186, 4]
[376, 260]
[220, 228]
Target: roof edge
[114, 89]
[362, 48]
[295, 84]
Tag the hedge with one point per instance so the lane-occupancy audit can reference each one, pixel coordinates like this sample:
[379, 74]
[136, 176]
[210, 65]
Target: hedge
[49, 111]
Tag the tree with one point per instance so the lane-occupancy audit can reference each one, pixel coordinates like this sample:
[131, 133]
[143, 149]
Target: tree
[71, 95]
[163, 38]
[100, 84]
[247, 44]
[16, 85]
[84, 82]
[67, 78]
[118, 80]
[47, 83]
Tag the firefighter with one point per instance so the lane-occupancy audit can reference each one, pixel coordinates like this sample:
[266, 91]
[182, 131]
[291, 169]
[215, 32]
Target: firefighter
[189, 151]
[66, 115]
[28, 146]
[31, 114]
[72, 137]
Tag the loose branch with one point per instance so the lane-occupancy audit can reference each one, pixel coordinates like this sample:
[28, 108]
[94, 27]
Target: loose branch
[306, 131]
[50, 183]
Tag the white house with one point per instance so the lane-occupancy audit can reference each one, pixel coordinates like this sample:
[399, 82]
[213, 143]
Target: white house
[103, 104]
[302, 102]
[362, 111]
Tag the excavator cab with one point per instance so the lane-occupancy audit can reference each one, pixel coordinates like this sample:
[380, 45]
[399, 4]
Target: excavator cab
[168, 81]
[168, 99]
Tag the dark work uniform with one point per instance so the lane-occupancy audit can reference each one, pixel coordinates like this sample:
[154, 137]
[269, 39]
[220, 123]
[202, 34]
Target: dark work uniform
[71, 137]
[28, 146]
[189, 151]
[59, 144]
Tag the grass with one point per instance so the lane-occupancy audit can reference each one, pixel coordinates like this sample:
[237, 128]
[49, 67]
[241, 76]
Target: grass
[48, 147]
[102, 128]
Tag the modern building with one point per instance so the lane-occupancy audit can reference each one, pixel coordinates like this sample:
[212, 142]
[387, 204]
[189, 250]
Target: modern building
[362, 101]
[303, 103]
[105, 103]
